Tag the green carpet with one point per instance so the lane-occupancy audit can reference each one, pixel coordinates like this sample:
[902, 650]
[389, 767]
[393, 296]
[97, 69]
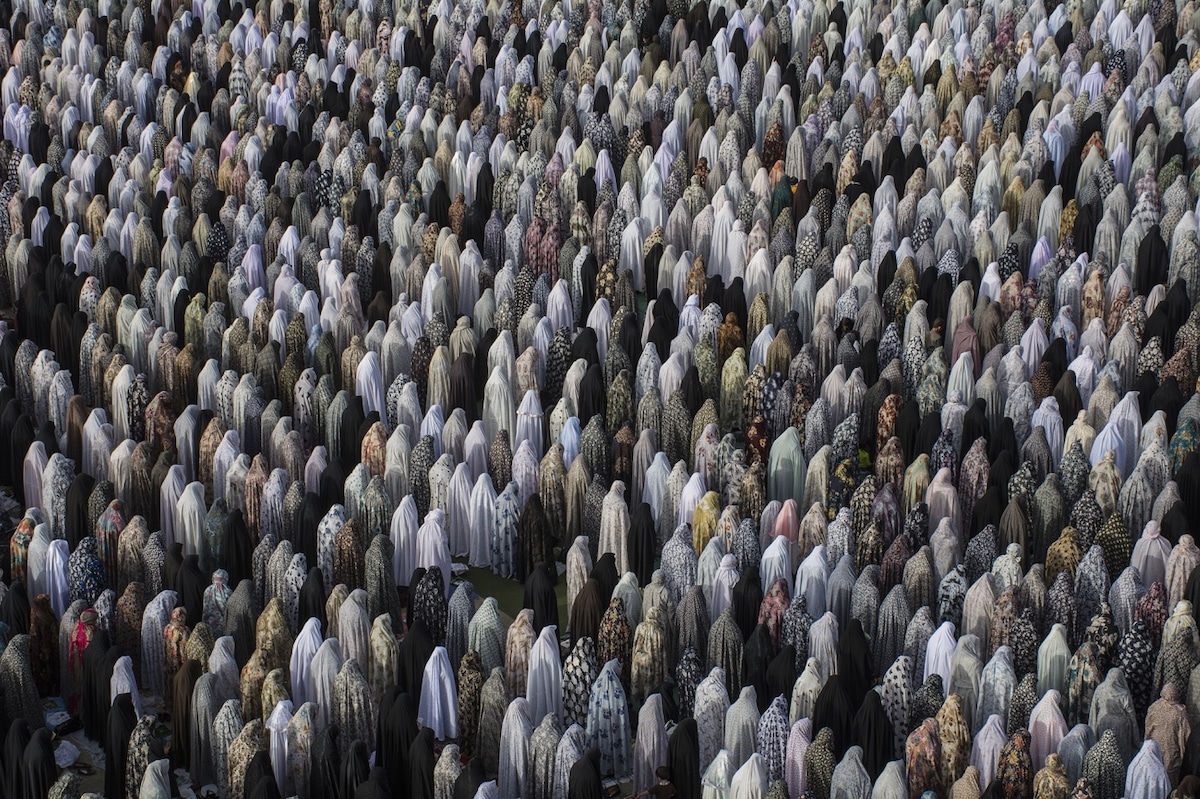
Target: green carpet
[511, 594]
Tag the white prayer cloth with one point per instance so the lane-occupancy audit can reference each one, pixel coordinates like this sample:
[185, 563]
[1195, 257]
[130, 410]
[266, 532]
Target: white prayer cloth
[614, 526]
[514, 749]
[277, 726]
[651, 747]
[325, 668]
[124, 682]
[223, 666]
[57, 585]
[438, 709]
[750, 781]
[354, 629]
[939, 654]
[544, 683]
[307, 644]
[722, 587]
[432, 549]
[483, 514]
[404, 538]
[190, 515]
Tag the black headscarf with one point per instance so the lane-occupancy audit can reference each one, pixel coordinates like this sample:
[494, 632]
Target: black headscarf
[398, 734]
[257, 773]
[352, 434]
[14, 754]
[463, 393]
[605, 573]
[14, 610]
[376, 786]
[873, 731]
[747, 599]
[855, 663]
[585, 781]
[237, 548]
[541, 596]
[593, 394]
[264, 788]
[313, 599]
[381, 719]
[469, 779]
[643, 541]
[326, 776]
[1175, 523]
[8, 422]
[39, 771]
[757, 655]
[171, 566]
[415, 651]
[536, 542]
[355, 768]
[305, 524]
[181, 713]
[587, 611]
[77, 509]
[781, 674]
[240, 621]
[421, 762]
[683, 754]
[95, 658]
[333, 482]
[190, 582]
[832, 709]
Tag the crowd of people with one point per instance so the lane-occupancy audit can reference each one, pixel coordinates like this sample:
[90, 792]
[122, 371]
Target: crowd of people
[837, 361]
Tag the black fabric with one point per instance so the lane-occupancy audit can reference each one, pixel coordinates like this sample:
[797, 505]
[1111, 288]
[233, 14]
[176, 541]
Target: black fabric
[376, 786]
[683, 755]
[606, 576]
[593, 395]
[77, 509]
[747, 599]
[463, 393]
[469, 780]
[757, 655]
[181, 713]
[421, 762]
[541, 596]
[381, 718]
[587, 611]
[264, 788]
[39, 771]
[873, 732]
[190, 582]
[313, 599]
[97, 671]
[240, 624]
[415, 651]
[781, 673]
[15, 741]
[21, 438]
[642, 543]
[535, 542]
[237, 548]
[305, 524]
[14, 610]
[355, 768]
[326, 779]
[258, 772]
[398, 735]
[855, 663]
[171, 567]
[585, 781]
[832, 709]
